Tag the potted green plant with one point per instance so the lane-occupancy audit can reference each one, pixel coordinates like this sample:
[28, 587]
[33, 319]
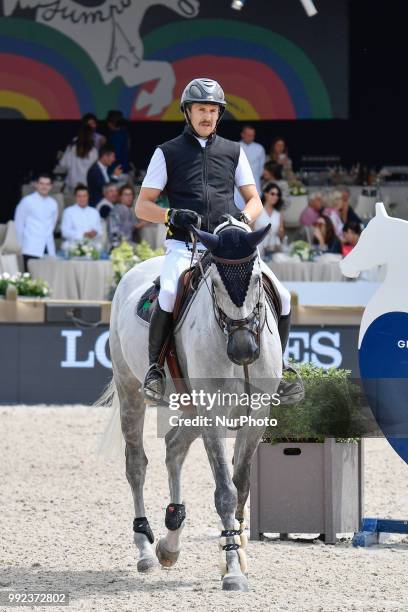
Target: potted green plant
[307, 474]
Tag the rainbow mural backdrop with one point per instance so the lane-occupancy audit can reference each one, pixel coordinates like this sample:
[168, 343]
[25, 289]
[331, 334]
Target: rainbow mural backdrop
[45, 74]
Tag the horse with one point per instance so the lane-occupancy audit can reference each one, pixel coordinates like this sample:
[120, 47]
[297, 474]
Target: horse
[109, 32]
[218, 337]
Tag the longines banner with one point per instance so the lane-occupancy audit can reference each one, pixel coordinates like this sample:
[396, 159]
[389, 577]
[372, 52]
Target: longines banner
[62, 58]
[63, 365]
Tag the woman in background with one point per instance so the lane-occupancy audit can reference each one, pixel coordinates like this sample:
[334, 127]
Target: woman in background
[89, 120]
[272, 201]
[79, 157]
[279, 154]
[325, 237]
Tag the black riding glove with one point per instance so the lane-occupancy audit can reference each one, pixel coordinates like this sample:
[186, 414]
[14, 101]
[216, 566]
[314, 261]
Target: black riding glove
[183, 218]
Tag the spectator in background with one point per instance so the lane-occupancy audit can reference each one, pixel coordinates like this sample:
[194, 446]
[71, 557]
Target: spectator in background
[81, 221]
[123, 223]
[256, 158]
[325, 237]
[272, 172]
[89, 120]
[272, 201]
[254, 152]
[351, 235]
[279, 154]
[98, 174]
[79, 157]
[118, 138]
[333, 212]
[345, 211]
[313, 210]
[35, 219]
[110, 198]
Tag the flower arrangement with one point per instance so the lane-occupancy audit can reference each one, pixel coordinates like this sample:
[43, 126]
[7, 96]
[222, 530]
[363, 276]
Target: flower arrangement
[301, 249]
[24, 284]
[125, 256]
[297, 189]
[84, 248]
[334, 406]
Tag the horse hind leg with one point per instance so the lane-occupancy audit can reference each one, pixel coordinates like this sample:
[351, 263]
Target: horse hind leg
[132, 410]
[178, 441]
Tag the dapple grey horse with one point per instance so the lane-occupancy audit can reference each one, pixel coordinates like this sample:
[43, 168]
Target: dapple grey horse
[202, 349]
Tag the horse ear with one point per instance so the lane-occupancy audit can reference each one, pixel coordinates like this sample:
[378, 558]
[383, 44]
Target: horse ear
[210, 241]
[380, 210]
[254, 238]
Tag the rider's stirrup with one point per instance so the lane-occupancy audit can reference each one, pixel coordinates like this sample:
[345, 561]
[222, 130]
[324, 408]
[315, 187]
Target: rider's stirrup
[154, 384]
[291, 391]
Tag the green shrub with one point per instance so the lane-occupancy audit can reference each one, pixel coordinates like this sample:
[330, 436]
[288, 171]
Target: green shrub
[332, 407]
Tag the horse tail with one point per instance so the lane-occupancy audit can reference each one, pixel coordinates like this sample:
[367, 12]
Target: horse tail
[111, 442]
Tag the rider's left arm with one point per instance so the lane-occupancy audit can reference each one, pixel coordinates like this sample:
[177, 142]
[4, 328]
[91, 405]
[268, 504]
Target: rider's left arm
[253, 204]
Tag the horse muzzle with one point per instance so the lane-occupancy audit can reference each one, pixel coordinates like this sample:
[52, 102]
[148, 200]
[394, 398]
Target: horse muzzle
[242, 347]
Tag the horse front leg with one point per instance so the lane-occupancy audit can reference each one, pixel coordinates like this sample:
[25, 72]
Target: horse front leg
[246, 443]
[232, 556]
[132, 411]
[178, 441]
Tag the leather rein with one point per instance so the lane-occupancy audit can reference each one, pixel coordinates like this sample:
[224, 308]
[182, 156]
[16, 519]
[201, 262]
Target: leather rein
[229, 326]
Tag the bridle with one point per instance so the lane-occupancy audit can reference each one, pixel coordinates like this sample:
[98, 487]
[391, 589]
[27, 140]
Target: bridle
[253, 323]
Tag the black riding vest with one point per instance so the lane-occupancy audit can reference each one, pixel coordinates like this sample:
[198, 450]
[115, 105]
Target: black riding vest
[201, 178]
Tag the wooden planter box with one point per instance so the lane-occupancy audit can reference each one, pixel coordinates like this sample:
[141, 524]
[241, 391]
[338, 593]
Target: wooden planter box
[307, 488]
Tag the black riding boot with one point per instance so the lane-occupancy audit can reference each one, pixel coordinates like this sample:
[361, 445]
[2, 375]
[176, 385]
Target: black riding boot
[154, 384]
[291, 391]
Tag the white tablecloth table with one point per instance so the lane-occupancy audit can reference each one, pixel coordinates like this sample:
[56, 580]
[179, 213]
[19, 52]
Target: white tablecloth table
[74, 279]
[307, 271]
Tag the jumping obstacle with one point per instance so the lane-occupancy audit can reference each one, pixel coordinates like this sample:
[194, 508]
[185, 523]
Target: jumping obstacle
[372, 527]
[382, 353]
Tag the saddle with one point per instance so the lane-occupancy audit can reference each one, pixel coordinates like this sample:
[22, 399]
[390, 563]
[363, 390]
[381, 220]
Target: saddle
[186, 291]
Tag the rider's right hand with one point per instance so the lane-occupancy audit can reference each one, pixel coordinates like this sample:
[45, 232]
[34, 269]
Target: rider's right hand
[183, 218]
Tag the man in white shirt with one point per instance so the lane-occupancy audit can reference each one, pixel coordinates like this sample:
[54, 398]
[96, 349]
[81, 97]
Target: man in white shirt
[35, 219]
[256, 158]
[81, 221]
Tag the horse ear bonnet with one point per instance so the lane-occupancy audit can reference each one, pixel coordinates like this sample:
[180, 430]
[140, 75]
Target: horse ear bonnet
[233, 244]
[235, 277]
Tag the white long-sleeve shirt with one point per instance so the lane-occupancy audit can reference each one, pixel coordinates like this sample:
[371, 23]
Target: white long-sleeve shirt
[255, 154]
[35, 219]
[77, 167]
[77, 220]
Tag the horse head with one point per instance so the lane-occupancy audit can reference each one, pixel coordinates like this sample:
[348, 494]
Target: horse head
[237, 291]
[185, 8]
[375, 246]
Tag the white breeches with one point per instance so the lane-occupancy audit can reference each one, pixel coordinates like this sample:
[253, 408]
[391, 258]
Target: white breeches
[178, 259]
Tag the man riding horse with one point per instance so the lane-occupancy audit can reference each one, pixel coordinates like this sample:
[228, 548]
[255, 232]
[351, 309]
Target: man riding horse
[199, 170]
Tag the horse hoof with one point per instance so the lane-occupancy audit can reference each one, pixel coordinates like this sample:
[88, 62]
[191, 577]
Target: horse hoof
[146, 565]
[166, 557]
[235, 583]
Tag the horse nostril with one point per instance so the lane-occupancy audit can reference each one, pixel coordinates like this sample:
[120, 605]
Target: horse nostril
[242, 347]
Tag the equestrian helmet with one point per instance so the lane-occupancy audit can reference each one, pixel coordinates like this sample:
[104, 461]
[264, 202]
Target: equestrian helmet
[203, 90]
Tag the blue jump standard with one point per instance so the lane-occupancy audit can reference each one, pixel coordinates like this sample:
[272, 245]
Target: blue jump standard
[372, 527]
